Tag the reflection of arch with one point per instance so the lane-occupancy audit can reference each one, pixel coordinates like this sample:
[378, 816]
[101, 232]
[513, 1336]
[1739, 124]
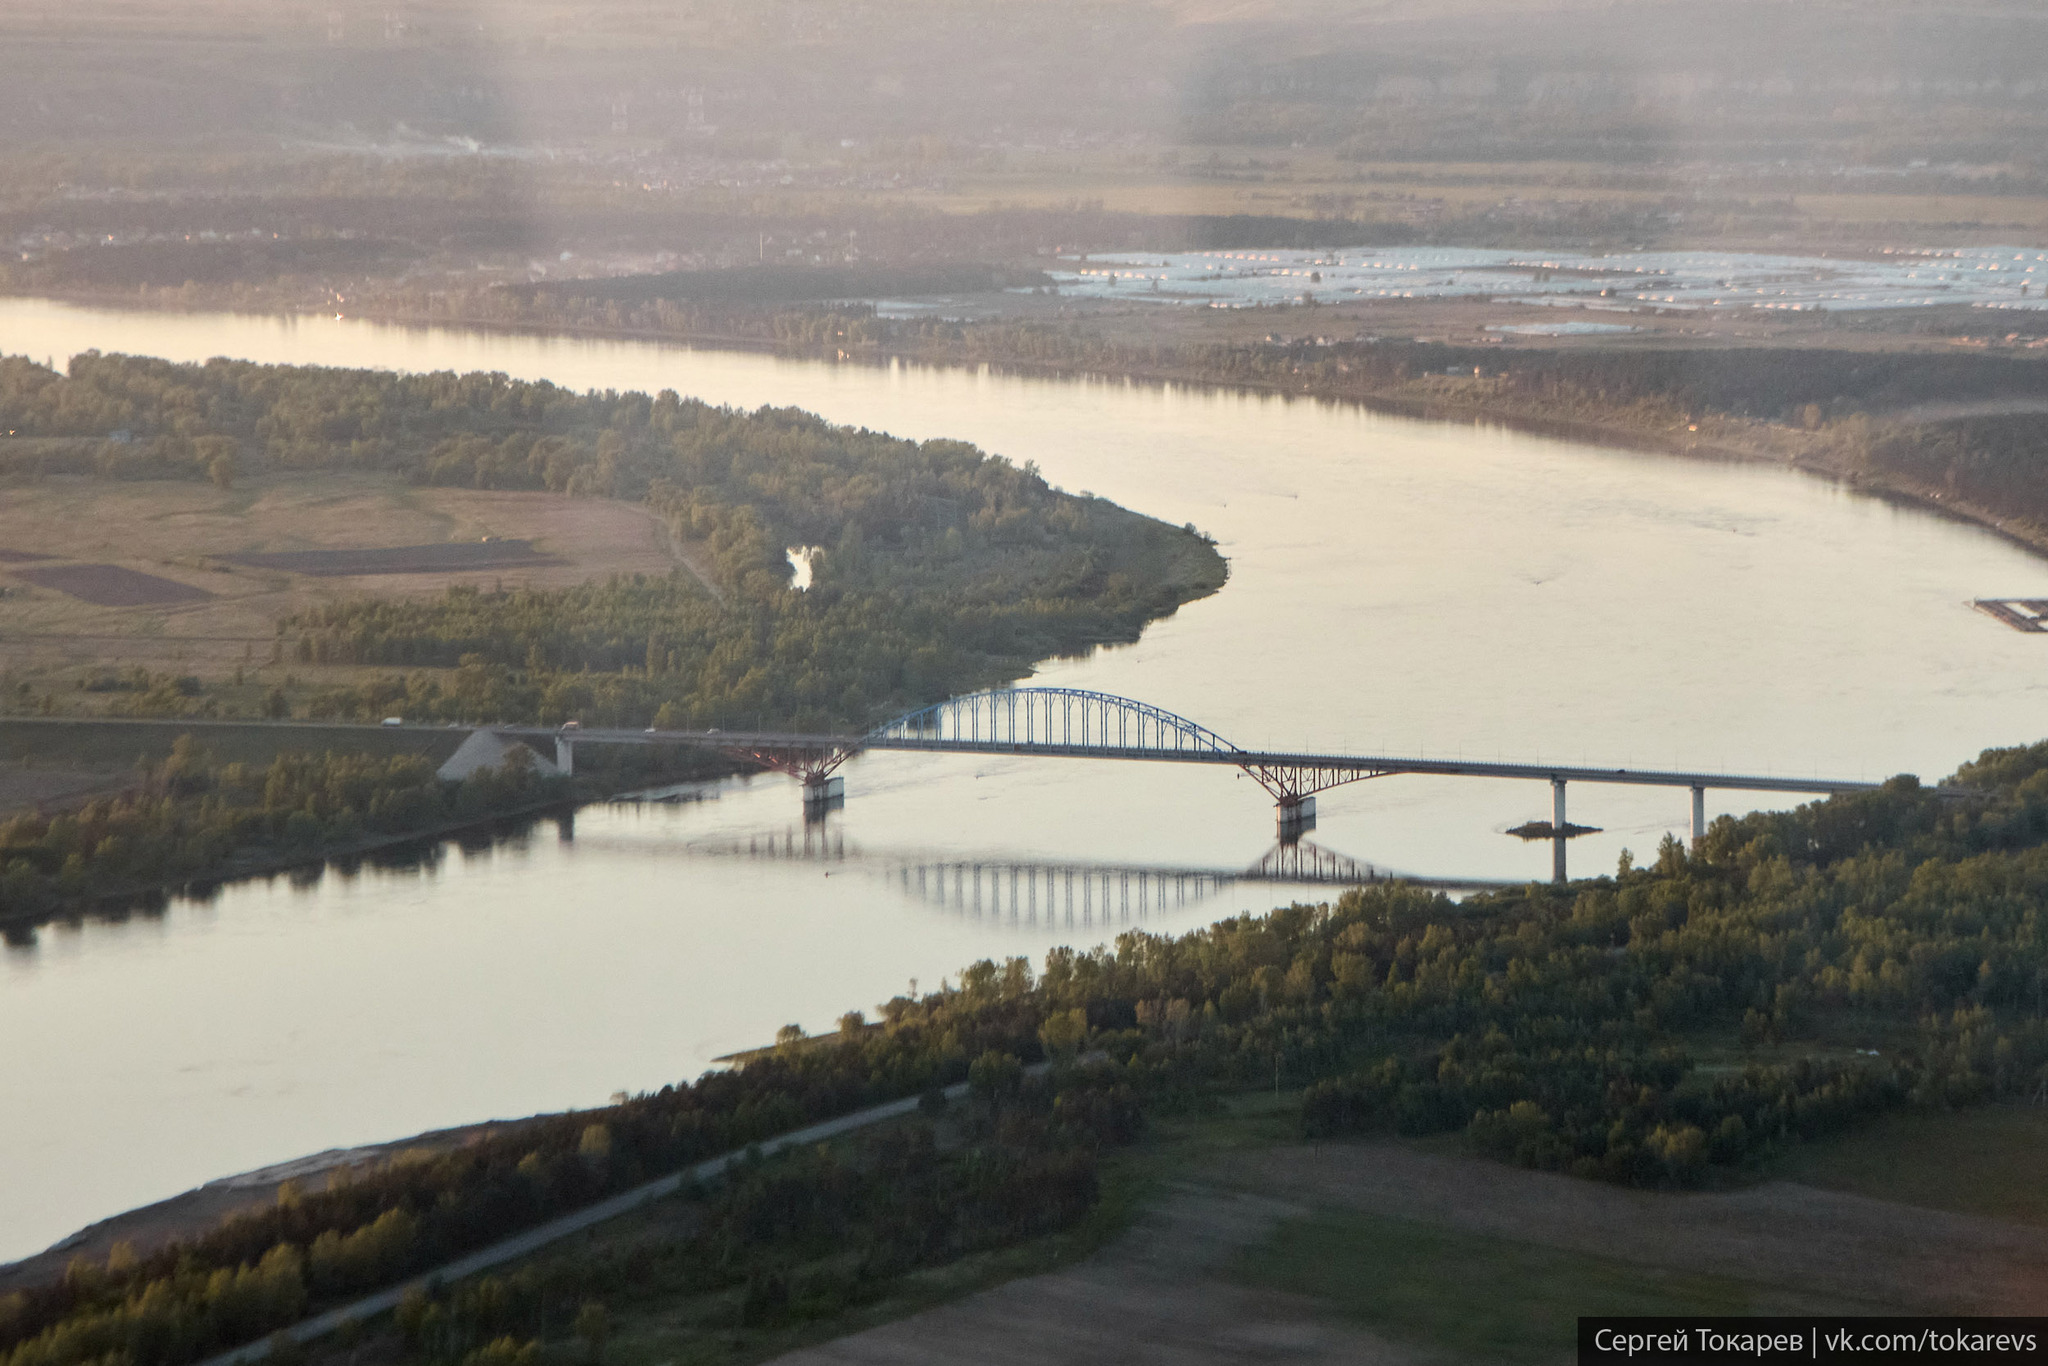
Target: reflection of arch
[1028, 890]
[1306, 861]
[1024, 890]
[1073, 721]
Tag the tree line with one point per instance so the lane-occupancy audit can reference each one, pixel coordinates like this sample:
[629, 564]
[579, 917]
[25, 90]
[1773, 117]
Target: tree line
[1839, 410]
[1867, 952]
[192, 820]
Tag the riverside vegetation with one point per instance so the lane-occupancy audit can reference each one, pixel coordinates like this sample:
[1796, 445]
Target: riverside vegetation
[1797, 973]
[1843, 412]
[942, 569]
[190, 820]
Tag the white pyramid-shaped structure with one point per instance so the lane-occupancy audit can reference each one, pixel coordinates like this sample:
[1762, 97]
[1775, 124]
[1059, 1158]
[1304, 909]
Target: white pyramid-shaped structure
[488, 749]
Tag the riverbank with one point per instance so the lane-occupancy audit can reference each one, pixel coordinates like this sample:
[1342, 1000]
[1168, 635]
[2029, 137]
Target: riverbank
[58, 870]
[149, 1227]
[1436, 397]
[141, 894]
[239, 739]
[1430, 396]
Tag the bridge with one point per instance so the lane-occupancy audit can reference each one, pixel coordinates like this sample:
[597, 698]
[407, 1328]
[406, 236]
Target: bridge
[1071, 723]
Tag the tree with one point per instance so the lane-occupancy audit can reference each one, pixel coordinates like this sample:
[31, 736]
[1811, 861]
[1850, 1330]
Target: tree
[1063, 1033]
[594, 1326]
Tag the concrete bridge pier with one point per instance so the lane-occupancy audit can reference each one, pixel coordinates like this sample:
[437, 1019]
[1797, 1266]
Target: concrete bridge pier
[1296, 816]
[1558, 826]
[823, 794]
[565, 755]
[1699, 814]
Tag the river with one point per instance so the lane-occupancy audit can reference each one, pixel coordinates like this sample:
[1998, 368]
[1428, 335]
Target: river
[1397, 586]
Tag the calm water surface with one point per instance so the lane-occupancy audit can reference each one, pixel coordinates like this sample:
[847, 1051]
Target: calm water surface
[1397, 586]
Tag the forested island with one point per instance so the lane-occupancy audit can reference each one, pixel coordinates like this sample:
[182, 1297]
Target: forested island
[939, 569]
[1674, 1025]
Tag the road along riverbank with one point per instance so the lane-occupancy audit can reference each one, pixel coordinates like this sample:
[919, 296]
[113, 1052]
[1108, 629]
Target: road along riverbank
[511, 1249]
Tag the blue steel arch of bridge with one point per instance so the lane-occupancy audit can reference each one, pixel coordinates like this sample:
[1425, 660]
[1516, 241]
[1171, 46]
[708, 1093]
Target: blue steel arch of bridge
[1088, 724]
[1055, 722]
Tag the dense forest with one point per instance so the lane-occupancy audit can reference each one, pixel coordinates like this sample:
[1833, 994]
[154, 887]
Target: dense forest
[938, 568]
[192, 820]
[1796, 973]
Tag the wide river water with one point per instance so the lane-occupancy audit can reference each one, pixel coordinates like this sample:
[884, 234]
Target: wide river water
[1397, 586]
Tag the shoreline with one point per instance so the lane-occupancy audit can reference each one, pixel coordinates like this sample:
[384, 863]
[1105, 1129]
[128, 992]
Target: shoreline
[1586, 430]
[211, 1203]
[111, 903]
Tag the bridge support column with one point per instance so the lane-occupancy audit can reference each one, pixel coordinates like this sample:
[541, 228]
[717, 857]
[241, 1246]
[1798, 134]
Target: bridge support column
[1699, 815]
[565, 755]
[1558, 825]
[1296, 817]
[822, 795]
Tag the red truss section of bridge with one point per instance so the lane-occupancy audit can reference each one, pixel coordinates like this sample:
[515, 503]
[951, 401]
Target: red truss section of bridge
[809, 763]
[1291, 782]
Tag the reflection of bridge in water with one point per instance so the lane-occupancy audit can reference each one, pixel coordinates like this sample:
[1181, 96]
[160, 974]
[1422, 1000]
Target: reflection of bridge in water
[1028, 890]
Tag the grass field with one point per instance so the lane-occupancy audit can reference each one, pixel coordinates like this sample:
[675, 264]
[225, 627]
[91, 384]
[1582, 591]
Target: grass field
[112, 585]
[1298, 182]
[1466, 1293]
[1990, 1161]
[184, 535]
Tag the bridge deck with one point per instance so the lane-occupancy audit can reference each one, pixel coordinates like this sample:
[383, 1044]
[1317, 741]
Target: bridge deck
[1375, 763]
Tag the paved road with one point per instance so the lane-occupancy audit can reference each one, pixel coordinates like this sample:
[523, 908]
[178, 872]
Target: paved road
[520, 1245]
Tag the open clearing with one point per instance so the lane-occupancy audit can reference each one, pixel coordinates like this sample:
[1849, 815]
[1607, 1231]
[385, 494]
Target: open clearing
[110, 585]
[443, 557]
[1396, 1252]
[1391, 1254]
[1992, 1160]
[1158, 1294]
[364, 534]
[50, 788]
